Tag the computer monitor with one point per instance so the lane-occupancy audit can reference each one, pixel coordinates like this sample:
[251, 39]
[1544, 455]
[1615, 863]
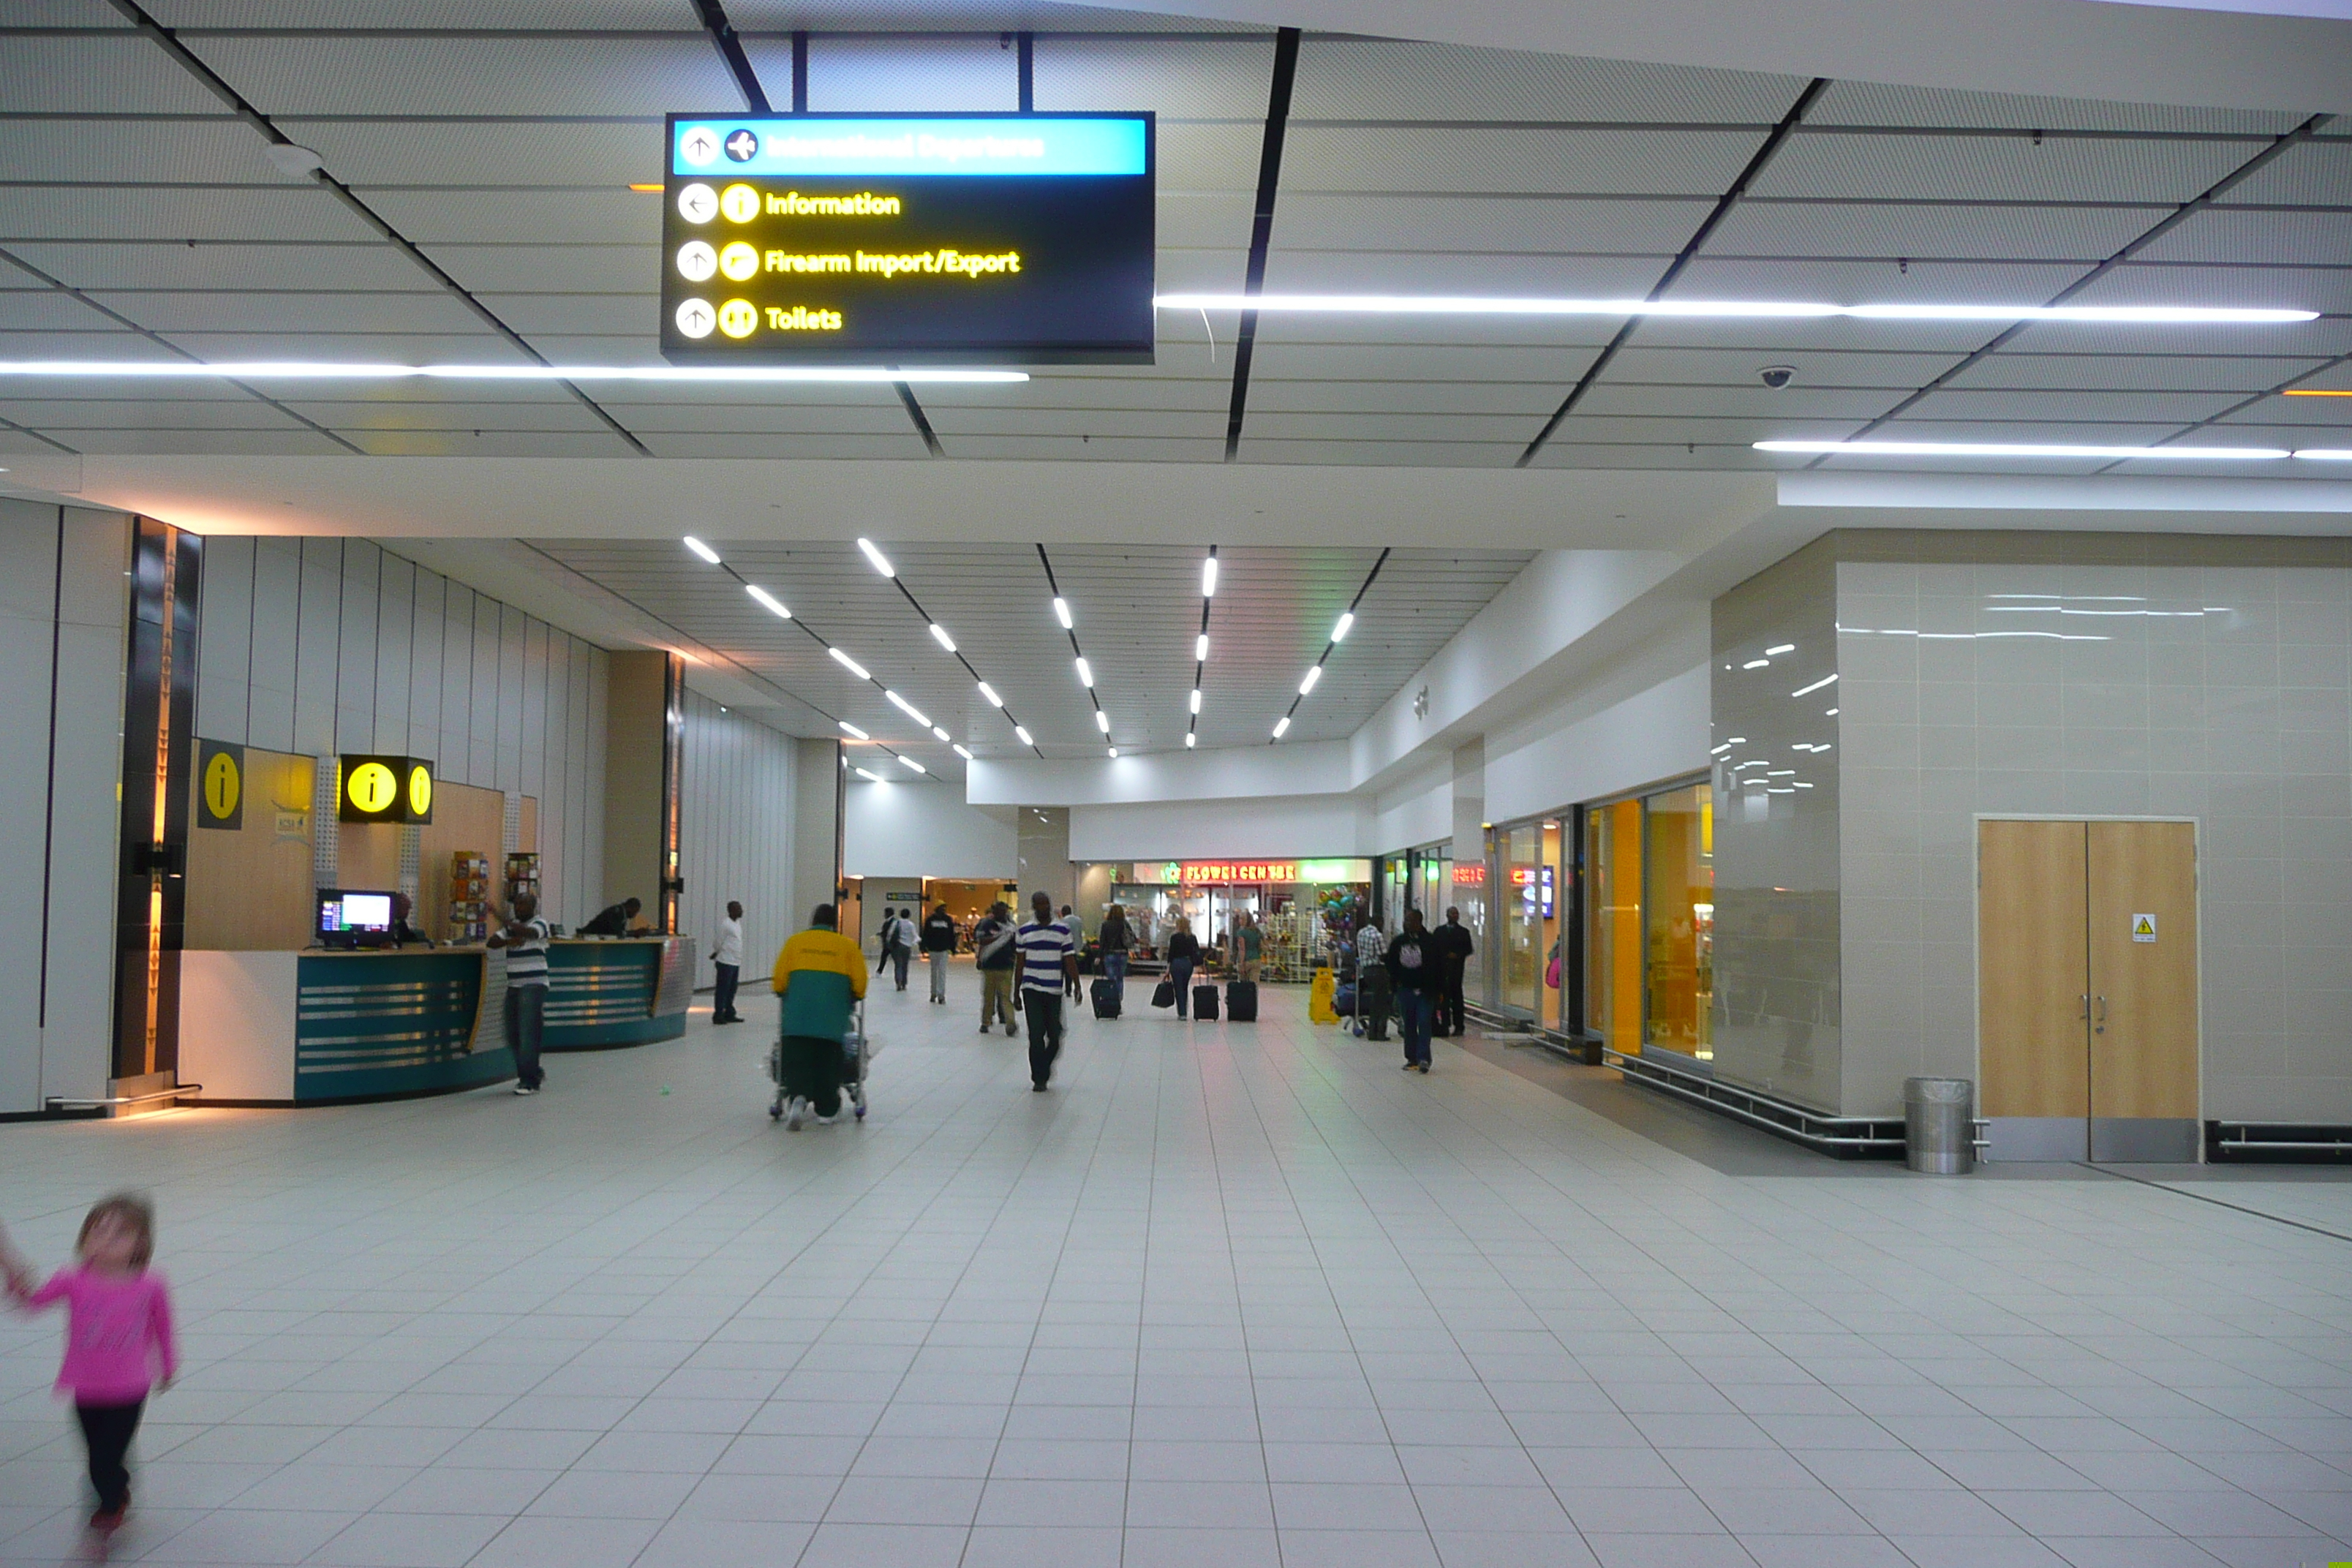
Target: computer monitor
[350, 916]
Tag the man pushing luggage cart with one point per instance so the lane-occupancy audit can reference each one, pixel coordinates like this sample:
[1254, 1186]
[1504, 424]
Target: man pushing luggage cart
[821, 1036]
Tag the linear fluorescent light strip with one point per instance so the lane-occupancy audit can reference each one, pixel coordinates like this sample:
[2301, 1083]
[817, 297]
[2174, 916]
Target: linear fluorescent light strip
[775, 606]
[908, 709]
[849, 729]
[873, 556]
[849, 664]
[2025, 449]
[328, 370]
[702, 550]
[1731, 309]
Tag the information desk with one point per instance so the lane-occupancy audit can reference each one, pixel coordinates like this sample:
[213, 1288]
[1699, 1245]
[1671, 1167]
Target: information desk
[309, 1028]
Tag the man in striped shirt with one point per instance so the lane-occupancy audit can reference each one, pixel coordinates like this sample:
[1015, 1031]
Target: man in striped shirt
[524, 936]
[1049, 959]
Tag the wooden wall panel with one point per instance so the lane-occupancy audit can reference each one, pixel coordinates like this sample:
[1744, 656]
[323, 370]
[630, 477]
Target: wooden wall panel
[2145, 1032]
[2032, 1042]
[249, 889]
[463, 818]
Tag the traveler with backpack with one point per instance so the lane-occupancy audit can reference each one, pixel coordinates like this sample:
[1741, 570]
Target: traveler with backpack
[1414, 961]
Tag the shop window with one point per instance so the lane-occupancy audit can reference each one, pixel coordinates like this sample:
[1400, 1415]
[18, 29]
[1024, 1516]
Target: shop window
[1612, 933]
[1679, 899]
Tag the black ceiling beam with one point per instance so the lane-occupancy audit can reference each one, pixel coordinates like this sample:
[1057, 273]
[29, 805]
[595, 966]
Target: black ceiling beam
[800, 71]
[1269, 178]
[1026, 70]
[168, 41]
[2279, 147]
[713, 17]
[1731, 198]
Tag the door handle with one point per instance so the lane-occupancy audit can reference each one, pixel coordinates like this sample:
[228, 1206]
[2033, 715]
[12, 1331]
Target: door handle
[2101, 1027]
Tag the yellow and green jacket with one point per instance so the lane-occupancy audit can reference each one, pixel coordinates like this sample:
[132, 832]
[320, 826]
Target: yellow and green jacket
[819, 974]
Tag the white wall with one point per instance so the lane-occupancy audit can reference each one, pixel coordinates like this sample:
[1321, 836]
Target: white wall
[741, 793]
[326, 645]
[1284, 826]
[1238, 772]
[924, 830]
[63, 637]
[1606, 739]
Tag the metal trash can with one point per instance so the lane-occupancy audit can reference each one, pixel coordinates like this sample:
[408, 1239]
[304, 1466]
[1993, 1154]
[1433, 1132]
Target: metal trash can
[1939, 1125]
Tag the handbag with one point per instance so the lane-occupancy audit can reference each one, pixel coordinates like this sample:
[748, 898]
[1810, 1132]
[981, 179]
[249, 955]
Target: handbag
[1164, 994]
[1552, 973]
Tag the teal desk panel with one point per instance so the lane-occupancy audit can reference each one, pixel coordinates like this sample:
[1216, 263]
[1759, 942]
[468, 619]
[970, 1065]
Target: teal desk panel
[616, 993]
[382, 1026]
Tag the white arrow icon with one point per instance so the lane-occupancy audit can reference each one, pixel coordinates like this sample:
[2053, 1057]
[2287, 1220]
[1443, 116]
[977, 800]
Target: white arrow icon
[699, 146]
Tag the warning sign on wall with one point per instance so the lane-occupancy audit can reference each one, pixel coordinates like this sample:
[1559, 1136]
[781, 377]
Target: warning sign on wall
[2143, 928]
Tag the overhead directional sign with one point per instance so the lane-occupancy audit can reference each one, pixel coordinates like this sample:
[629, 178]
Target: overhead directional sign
[953, 238]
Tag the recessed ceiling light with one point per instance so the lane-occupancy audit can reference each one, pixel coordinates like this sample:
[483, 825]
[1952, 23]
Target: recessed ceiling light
[328, 369]
[702, 550]
[2022, 449]
[1196, 699]
[1023, 735]
[850, 729]
[1780, 649]
[1314, 674]
[876, 778]
[1756, 664]
[1114, 751]
[914, 764]
[1208, 578]
[941, 733]
[1062, 612]
[1102, 721]
[774, 605]
[1191, 740]
[881, 562]
[1732, 310]
[1280, 725]
[849, 664]
[961, 752]
[939, 636]
[1085, 675]
[1201, 648]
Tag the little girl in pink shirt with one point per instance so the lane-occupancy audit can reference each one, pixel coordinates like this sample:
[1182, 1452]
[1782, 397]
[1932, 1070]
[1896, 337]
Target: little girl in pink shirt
[119, 1343]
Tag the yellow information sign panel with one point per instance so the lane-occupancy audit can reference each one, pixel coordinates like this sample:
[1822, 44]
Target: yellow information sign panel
[220, 768]
[386, 789]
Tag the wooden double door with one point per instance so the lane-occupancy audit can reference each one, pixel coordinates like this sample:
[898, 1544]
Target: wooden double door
[2086, 990]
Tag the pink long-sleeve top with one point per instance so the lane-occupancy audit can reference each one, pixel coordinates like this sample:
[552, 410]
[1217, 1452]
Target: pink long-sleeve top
[118, 1333]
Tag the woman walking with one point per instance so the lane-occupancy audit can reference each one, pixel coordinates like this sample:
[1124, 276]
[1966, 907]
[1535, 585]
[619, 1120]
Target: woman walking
[1184, 957]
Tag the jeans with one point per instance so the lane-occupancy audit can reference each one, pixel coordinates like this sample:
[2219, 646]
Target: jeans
[1044, 1010]
[938, 960]
[526, 1005]
[812, 1072]
[1413, 1006]
[106, 1430]
[1179, 970]
[1115, 970]
[899, 958]
[722, 1003]
[996, 998]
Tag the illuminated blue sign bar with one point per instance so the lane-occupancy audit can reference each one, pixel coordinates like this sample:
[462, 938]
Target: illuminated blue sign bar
[945, 145]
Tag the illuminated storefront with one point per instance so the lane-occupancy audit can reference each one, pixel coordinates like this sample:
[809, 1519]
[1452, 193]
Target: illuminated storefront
[1606, 920]
[1300, 905]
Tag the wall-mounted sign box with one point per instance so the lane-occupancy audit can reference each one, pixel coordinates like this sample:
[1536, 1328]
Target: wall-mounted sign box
[969, 240]
[385, 789]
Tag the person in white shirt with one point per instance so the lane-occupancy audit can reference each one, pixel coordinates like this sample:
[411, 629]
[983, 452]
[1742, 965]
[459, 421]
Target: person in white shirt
[727, 954]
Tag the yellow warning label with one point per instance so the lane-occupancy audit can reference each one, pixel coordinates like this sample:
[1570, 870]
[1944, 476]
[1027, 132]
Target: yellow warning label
[2143, 928]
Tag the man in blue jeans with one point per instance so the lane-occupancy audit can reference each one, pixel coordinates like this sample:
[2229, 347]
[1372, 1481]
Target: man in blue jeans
[1414, 962]
[1115, 940]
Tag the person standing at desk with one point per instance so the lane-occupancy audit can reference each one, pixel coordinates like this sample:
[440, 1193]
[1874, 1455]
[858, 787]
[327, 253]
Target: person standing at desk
[727, 958]
[403, 933]
[524, 937]
[613, 920]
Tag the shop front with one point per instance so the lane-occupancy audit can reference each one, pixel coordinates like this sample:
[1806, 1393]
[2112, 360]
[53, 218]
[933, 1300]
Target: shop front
[1302, 907]
[1605, 920]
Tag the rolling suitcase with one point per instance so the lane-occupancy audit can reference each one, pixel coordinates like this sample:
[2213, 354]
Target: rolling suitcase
[1106, 995]
[1240, 1001]
[1204, 1003]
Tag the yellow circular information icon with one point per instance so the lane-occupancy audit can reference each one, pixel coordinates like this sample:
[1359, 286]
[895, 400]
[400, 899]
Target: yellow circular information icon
[372, 787]
[738, 318]
[739, 203]
[223, 787]
[740, 261]
[420, 790]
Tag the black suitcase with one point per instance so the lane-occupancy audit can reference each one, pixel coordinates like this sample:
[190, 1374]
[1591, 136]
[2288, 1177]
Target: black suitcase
[1240, 1001]
[1164, 994]
[1106, 995]
[1204, 1003]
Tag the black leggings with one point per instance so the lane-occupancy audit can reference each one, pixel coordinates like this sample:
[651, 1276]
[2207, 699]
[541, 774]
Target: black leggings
[107, 1429]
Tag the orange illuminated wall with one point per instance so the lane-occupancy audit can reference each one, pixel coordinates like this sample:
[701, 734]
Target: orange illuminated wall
[1613, 949]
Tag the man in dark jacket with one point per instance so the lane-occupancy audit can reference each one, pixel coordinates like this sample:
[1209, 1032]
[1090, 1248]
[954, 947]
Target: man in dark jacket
[1116, 940]
[938, 941]
[996, 953]
[1455, 948]
[1415, 965]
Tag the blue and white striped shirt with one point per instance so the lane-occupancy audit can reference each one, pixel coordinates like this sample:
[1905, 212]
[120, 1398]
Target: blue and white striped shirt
[1042, 949]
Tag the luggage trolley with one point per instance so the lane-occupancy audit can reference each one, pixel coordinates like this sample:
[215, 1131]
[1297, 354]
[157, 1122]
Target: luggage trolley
[856, 1051]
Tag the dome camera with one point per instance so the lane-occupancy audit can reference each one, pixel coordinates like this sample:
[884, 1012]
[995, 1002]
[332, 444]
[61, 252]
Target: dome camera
[1776, 377]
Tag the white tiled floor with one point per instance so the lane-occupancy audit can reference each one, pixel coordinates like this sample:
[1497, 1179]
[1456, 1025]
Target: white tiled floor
[1229, 1296]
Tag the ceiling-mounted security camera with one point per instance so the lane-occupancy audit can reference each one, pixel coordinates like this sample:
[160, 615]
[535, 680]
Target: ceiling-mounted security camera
[1776, 377]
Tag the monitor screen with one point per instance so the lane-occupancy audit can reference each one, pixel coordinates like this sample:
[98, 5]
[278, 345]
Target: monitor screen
[353, 912]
